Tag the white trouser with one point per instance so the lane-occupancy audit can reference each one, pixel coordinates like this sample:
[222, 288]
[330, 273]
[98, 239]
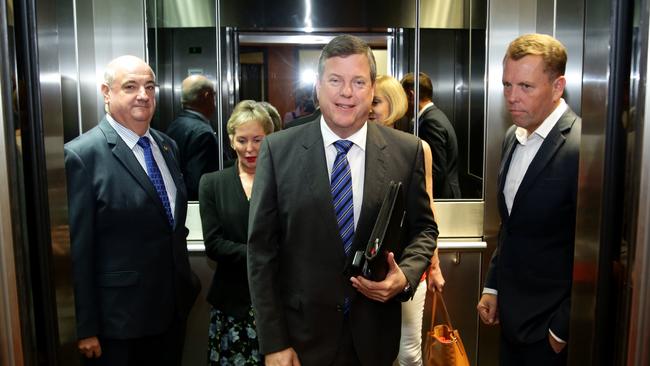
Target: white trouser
[410, 346]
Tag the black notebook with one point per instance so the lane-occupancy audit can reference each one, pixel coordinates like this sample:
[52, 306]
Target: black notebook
[386, 235]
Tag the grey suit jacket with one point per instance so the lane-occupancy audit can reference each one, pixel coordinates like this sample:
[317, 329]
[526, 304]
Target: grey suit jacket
[131, 270]
[532, 266]
[296, 262]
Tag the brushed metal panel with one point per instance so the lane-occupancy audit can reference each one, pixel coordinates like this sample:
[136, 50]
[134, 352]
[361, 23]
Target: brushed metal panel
[183, 13]
[595, 88]
[456, 219]
[444, 14]
[49, 26]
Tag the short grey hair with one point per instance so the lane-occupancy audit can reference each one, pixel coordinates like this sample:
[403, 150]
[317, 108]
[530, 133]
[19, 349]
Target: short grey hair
[191, 92]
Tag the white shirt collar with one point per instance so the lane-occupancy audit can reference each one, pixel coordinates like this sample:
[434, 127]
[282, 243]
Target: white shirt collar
[545, 128]
[129, 137]
[358, 138]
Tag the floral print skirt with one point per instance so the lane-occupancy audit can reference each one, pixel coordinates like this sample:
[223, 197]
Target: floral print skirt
[232, 341]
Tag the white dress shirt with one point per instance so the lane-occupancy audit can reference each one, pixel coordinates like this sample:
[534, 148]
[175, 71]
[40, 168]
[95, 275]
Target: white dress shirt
[131, 138]
[356, 160]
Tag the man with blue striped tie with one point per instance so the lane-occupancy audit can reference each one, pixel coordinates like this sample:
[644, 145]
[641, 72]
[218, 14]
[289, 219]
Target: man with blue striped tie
[133, 284]
[318, 190]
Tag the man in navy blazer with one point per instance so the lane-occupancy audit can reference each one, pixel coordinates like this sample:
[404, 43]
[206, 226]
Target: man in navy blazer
[435, 128]
[133, 284]
[528, 284]
[308, 308]
[196, 140]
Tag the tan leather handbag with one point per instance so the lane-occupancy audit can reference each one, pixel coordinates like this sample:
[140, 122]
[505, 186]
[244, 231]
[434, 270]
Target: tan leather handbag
[443, 346]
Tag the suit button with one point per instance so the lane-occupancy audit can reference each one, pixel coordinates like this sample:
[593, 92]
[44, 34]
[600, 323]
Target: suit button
[339, 307]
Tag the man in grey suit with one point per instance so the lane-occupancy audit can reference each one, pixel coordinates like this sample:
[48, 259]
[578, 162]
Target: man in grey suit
[133, 284]
[528, 284]
[438, 132]
[196, 140]
[308, 308]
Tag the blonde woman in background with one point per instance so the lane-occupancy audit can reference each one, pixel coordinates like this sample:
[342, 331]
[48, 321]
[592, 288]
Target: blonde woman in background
[388, 106]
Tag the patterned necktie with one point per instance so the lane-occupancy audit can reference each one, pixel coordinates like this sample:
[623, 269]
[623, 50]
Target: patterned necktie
[341, 184]
[156, 177]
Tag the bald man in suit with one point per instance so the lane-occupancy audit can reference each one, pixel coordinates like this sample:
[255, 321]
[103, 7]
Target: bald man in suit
[133, 284]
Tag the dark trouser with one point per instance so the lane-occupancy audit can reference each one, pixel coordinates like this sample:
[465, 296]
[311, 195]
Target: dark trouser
[346, 354]
[536, 354]
[164, 349]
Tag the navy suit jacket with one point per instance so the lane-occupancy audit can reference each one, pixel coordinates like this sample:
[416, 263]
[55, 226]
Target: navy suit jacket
[437, 131]
[198, 147]
[532, 265]
[131, 270]
[296, 262]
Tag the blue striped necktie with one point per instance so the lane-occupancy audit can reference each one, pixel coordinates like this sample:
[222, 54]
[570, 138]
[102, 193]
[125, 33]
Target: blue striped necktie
[341, 184]
[156, 177]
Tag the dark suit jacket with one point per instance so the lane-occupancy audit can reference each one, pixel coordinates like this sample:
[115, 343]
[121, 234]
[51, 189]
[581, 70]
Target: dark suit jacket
[296, 262]
[198, 147]
[224, 215]
[531, 268]
[438, 132]
[130, 268]
[315, 116]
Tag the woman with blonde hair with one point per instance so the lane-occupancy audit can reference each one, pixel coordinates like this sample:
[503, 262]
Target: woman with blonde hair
[389, 105]
[223, 203]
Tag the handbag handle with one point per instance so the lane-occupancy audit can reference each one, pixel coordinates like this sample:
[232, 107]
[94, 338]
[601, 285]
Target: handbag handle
[437, 295]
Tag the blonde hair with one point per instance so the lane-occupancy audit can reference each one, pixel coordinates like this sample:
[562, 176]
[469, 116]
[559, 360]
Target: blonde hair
[534, 44]
[391, 89]
[247, 111]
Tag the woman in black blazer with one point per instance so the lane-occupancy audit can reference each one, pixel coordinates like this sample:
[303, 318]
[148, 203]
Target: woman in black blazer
[223, 200]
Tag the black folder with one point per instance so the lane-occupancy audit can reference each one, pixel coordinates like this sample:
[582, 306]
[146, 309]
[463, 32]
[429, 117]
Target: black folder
[386, 235]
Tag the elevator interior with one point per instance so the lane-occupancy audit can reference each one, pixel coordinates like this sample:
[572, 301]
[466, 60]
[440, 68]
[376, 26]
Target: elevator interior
[242, 46]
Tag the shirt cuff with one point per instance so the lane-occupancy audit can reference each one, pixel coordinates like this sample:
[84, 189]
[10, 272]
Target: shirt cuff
[556, 337]
[487, 290]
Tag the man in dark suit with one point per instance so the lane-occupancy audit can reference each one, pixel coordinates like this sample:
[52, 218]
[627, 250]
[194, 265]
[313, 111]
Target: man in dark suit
[528, 284]
[308, 309]
[133, 284]
[437, 131]
[193, 134]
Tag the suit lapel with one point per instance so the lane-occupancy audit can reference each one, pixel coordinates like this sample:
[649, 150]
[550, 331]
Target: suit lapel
[509, 148]
[547, 151]
[314, 171]
[375, 183]
[131, 164]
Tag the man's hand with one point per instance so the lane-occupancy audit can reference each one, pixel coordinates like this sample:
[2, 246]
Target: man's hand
[487, 309]
[557, 346]
[286, 357]
[385, 290]
[89, 347]
[435, 280]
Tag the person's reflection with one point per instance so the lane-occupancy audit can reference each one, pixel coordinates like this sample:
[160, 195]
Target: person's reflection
[133, 286]
[196, 140]
[273, 113]
[223, 202]
[434, 128]
[388, 106]
[315, 115]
